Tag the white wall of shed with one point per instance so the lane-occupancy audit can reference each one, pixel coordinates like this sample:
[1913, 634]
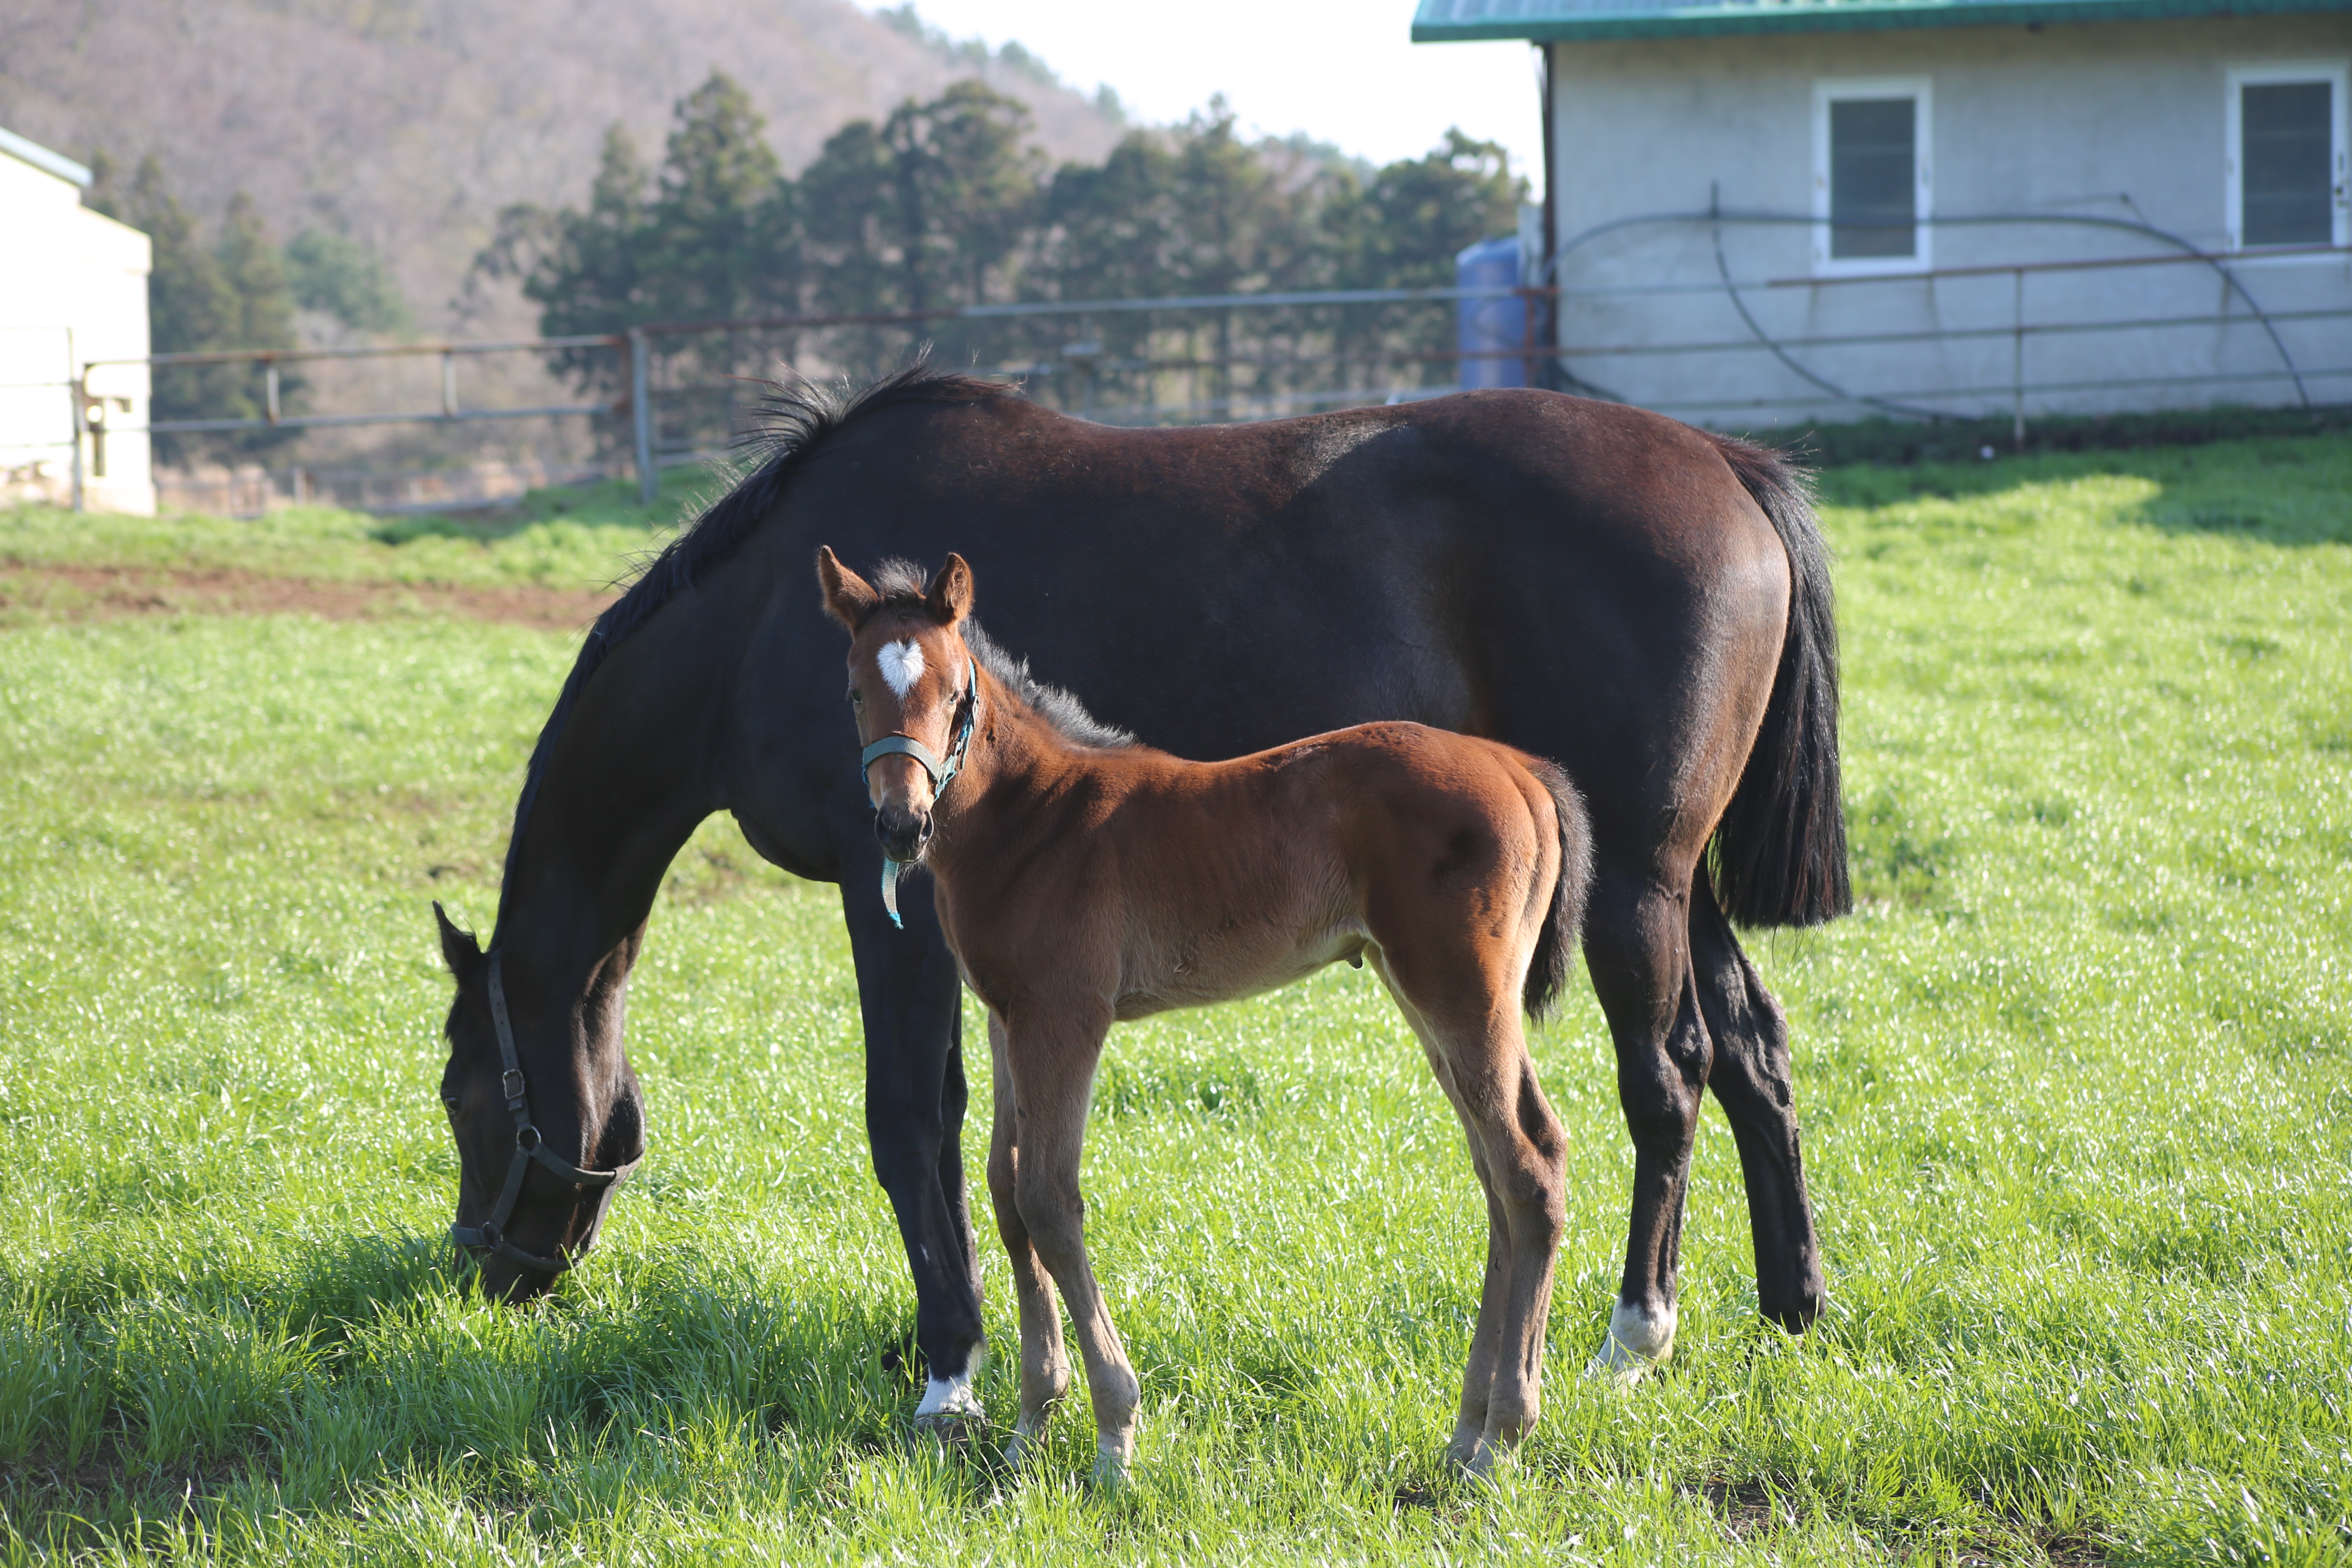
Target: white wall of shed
[2067, 120]
[68, 275]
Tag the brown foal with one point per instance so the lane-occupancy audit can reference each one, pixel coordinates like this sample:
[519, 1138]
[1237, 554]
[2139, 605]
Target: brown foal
[1081, 883]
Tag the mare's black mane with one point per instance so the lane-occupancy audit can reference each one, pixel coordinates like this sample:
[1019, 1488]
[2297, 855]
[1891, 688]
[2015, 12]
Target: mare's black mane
[794, 418]
[901, 583]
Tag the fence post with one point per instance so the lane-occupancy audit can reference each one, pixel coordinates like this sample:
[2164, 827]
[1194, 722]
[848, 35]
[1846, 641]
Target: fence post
[77, 389]
[2017, 369]
[641, 415]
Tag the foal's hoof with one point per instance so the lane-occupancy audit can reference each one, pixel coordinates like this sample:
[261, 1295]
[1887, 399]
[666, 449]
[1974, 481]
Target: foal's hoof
[1481, 1460]
[1111, 1470]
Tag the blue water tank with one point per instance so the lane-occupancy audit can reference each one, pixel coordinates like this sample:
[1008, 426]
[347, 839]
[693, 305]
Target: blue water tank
[1487, 326]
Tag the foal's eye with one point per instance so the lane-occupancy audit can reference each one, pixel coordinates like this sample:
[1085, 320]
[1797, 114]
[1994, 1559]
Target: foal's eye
[855, 700]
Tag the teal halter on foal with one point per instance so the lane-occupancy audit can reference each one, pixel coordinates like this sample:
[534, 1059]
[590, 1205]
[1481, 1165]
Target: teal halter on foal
[967, 717]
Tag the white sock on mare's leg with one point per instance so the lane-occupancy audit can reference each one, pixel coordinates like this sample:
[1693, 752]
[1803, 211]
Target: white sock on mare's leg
[1638, 1340]
[950, 1398]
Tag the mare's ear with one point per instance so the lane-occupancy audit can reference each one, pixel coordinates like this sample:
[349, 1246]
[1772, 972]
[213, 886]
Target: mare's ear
[949, 598]
[459, 948]
[848, 598]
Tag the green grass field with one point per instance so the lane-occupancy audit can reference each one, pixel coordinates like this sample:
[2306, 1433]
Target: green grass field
[2076, 1080]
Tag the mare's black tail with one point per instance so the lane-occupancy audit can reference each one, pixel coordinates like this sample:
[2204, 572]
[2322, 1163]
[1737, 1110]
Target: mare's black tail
[1778, 856]
[1548, 970]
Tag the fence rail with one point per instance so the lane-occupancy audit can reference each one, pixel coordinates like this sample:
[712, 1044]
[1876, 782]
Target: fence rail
[676, 390]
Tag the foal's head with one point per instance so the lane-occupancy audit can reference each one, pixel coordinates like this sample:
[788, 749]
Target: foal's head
[911, 681]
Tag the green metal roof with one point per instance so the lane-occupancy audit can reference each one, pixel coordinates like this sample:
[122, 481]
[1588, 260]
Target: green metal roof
[1443, 21]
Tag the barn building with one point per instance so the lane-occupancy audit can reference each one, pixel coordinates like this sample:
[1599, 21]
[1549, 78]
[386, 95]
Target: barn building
[73, 289]
[1761, 212]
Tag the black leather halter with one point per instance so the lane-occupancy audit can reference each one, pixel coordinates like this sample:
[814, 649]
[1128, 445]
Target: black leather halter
[530, 1149]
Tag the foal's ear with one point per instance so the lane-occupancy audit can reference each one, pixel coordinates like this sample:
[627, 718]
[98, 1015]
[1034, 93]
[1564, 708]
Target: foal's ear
[458, 949]
[848, 598]
[949, 598]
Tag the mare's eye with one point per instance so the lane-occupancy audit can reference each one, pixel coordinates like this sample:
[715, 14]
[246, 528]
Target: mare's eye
[452, 1101]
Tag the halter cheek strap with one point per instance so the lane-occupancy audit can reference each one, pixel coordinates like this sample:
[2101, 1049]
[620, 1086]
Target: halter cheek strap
[942, 773]
[530, 1149]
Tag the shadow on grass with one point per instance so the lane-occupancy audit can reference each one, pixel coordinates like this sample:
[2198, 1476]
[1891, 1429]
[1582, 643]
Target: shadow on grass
[611, 503]
[2278, 491]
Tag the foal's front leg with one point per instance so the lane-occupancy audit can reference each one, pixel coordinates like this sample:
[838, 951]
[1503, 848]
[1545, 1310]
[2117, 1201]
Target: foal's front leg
[1045, 1364]
[1052, 1075]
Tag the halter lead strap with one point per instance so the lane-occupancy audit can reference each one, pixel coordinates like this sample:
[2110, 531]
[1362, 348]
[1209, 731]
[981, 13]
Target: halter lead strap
[530, 1149]
[942, 773]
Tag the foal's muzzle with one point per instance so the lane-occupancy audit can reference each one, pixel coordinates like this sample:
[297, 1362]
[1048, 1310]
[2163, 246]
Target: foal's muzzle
[904, 834]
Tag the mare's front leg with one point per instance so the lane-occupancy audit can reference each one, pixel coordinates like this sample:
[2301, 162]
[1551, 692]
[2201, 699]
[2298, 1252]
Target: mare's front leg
[1044, 1363]
[1636, 947]
[909, 994]
[1052, 1064]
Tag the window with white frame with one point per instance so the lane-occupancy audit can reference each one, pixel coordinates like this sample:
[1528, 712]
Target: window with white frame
[2287, 156]
[1870, 175]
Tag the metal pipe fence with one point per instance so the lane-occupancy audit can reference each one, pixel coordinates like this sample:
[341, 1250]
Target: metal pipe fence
[666, 394]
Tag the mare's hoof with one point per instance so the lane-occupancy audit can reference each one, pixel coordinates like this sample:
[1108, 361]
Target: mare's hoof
[1613, 1365]
[1637, 1343]
[956, 1429]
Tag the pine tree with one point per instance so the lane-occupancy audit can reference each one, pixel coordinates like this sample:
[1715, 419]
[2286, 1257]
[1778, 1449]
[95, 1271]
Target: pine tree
[207, 300]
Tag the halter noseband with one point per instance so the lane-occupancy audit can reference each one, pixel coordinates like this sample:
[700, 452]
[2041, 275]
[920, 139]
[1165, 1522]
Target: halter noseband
[530, 1149]
[942, 773]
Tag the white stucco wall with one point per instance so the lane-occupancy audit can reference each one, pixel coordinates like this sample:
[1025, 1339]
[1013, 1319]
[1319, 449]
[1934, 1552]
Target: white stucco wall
[2117, 120]
[72, 283]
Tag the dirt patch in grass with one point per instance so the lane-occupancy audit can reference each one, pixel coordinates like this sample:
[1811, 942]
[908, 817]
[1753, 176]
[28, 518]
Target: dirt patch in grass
[89, 592]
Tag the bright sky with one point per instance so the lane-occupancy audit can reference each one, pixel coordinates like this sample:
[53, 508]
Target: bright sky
[1344, 71]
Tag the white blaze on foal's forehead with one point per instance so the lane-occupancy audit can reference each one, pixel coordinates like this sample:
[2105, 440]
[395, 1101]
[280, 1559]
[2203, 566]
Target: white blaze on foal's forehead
[902, 666]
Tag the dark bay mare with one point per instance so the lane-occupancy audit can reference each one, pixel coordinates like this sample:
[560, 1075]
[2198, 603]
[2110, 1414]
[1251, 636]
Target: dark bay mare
[1646, 604]
[1080, 883]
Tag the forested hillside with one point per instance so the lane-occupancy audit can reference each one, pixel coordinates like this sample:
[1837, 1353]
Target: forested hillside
[404, 127]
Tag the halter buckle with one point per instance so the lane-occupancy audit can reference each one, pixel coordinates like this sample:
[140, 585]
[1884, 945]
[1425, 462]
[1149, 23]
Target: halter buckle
[511, 1085]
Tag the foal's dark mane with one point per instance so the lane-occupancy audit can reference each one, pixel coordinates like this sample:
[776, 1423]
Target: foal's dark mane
[794, 418]
[901, 583]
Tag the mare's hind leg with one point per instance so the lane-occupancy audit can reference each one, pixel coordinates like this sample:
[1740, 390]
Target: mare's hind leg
[1751, 1080]
[1044, 1363]
[1052, 1070]
[1636, 947]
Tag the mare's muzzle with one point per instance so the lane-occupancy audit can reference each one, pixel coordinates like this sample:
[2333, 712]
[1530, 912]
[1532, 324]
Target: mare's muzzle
[530, 1149]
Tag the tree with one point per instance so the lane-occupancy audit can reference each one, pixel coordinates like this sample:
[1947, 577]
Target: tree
[207, 300]
[712, 239]
[933, 207]
[1402, 229]
[336, 276]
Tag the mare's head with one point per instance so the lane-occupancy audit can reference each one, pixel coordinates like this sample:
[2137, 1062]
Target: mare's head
[911, 687]
[581, 1102]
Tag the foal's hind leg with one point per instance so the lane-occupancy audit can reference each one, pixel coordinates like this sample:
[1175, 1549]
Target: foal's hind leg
[1469, 1026]
[1045, 1364]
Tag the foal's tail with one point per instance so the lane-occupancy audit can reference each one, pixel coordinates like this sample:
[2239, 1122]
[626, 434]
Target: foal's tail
[1547, 969]
[1778, 856]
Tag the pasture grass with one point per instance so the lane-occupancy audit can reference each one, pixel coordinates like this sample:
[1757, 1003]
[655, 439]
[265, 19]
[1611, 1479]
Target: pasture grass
[573, 537]
[2076, 1080]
